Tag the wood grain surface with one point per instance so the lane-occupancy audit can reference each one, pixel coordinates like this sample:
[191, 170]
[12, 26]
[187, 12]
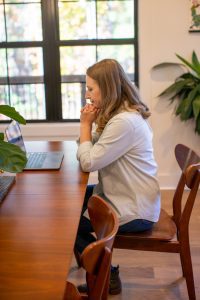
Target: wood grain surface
[38, 225]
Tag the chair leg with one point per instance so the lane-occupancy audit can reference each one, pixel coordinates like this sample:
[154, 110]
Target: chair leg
[106, 287]
[182, 260]
[186, 263]
[99, 290]
[77, 257]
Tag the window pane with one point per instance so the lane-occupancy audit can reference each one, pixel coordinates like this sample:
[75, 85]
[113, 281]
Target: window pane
[77, 20]
[23, 22]
[115, 19]
[71, 100]
[124, 54]
[4, 98]
[3, 70]
[25, 62]
[29, 100]
[2, 25]
[20, 1]
[75, 60]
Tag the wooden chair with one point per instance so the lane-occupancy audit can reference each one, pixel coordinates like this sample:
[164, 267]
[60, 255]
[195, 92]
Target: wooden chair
[96, 257]
[161, 237]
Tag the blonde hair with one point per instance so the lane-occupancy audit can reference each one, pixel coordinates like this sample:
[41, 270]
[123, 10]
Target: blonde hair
[118, 93]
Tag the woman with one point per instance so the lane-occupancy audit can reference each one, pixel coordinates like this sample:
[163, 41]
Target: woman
[121, 150]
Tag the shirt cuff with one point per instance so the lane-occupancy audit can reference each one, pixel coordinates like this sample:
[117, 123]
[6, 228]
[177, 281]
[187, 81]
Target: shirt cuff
[83, 147]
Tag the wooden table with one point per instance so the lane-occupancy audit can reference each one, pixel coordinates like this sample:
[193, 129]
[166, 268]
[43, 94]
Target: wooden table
[38, 225]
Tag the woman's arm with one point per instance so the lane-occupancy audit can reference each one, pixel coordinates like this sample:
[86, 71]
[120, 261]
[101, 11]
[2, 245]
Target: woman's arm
[89, 114]
[115, 141]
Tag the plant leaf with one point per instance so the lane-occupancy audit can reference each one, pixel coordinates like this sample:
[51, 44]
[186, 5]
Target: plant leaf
[186, 89]
[197, 128]
[190, 65]
[196, 107]
[10, 112]
[175, 87]
[181, 106]
[12, 158]
[190, 76]
[194, 92]
[185, 109]
[195, 60]
[180, 95]
[1, 136]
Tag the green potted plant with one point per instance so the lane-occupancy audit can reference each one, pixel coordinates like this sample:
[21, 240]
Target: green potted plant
[186, 89]
[12, 158]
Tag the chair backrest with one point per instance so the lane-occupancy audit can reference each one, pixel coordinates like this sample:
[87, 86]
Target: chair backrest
[189, 163]
[96, 257]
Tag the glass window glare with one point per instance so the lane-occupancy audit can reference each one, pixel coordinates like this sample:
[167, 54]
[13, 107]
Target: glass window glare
[29, 100]
[70, 65]
[3, 67]
[81, 20]
[71, 104]
[19, 27]
[4, 98]
[2, 25]
[25, 62]
[115, 19]
[122, 53]
[21, 1]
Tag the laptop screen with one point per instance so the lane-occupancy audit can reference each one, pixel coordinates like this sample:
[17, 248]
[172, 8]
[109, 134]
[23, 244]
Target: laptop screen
[14, 135]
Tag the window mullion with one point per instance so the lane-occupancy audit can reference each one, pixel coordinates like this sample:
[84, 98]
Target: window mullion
[136, 43]
[52, 78]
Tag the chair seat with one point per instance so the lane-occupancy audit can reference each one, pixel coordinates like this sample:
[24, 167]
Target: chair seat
[163, 230]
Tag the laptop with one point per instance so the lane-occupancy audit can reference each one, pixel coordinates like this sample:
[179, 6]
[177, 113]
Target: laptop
[36, 160]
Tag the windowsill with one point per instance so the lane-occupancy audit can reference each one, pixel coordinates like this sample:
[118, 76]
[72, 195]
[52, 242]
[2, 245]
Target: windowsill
[48, 131]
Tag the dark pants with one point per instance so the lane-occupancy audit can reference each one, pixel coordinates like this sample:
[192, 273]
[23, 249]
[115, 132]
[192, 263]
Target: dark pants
[84, 235]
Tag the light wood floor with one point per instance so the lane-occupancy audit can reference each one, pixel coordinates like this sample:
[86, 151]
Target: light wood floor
[151, 275]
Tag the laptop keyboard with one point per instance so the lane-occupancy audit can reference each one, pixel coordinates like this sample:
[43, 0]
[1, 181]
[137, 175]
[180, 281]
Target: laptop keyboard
[6, 183]
[36, 159]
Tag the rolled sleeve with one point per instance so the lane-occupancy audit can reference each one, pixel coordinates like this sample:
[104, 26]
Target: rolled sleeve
[83, 155]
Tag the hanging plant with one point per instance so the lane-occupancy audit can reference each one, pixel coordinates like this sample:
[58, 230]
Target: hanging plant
[186, 89]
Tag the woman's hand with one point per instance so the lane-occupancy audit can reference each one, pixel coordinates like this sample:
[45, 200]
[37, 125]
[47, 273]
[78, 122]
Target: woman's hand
[89, 114]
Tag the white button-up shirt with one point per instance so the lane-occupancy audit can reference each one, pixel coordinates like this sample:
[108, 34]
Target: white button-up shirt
[123, 156]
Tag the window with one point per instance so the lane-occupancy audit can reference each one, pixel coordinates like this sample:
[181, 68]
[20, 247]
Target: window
[46, 46]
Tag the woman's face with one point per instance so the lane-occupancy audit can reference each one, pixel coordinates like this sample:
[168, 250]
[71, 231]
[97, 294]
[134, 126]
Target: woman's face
[93, 92]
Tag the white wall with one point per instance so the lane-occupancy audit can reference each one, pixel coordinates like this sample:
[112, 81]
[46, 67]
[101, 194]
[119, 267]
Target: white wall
[163, 31]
